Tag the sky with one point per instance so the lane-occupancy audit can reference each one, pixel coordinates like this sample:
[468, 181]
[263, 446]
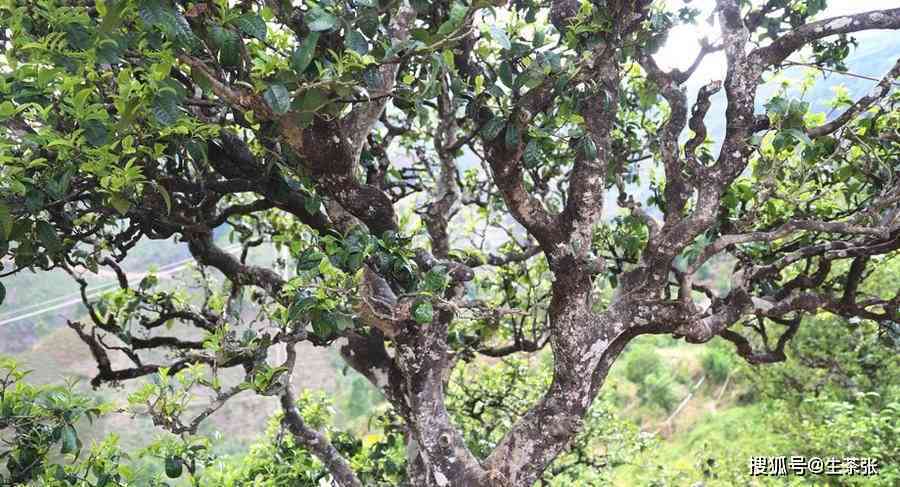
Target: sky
[684, 41]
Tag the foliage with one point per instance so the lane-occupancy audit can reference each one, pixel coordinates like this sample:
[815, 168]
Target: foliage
[656, 389]
[714, 452]
[839, 397]
[433, 177]
[717, 364]
[38, 420]
[486, 399]
[641, 363]
[276, 459]
[38, 423]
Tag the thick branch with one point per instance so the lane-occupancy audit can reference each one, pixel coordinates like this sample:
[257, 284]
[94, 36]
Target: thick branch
[782, 47]
[362, 119]
[878, 91]
[506, 165]
[676, 191]
[207, 253]
[423, 358]
[317, 443]
[584, 201]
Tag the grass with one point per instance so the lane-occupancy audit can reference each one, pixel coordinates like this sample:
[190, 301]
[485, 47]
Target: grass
[715, 451]
[709, 442]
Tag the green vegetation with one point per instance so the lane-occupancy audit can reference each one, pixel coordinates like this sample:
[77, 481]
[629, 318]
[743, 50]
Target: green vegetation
[760, 411]
[656, 389]
[642, 362]
[718, 364]
[453, 243]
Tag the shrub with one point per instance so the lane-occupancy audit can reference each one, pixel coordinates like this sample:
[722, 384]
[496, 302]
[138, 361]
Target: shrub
[656, 390]
[681, 372]
[641, 362]
[717, 364]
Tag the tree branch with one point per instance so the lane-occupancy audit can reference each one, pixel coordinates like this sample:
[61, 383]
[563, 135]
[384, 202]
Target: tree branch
[359, 123]
[879, 91]
[313, 440]
[507, 170]
[207, 253]
[783, 46]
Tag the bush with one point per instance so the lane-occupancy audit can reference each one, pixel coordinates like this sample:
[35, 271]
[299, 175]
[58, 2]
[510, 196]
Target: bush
[717, 364]
[681, 372]
[641, 362]
[37, 421]
[657, 390]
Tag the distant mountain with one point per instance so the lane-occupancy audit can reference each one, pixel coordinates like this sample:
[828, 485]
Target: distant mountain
[876, 53]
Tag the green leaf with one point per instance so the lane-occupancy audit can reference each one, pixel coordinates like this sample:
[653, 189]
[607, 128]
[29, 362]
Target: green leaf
[457, 14]
[319, 20]
[121, 204]
[197, 151]
[312, 204]
[538, 39]
[779, 141]
[278, 97]
[506, 73]
[532, 153]
[313, 100]
[589, 148]
[343, 321]
[78, 36]
[310, 260]
[302, 56]
[512, 136]
[447, 55]
[324, 325]
[165, 108]
[69, 440]
[174, 467]
[530, 78]
[108, 51]
[24, 254]
[436, 280]
[158, 13]
[182, 33]
[423, 312]
[6, 222]
[148, 282]
[500, 36]
[777, 105]
[357, 42]
[49, 239]
[95, 132]
[229, 45]
[253, 25]
[492, 129]
[7, 109]
[113, 18]
[800, 135]
[293, 312]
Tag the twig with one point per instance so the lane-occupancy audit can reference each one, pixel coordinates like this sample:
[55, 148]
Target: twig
[845, 73]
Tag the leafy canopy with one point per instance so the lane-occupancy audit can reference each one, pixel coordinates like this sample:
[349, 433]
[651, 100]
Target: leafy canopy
[434, 177]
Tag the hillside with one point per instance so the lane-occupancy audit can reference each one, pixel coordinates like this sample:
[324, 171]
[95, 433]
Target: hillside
[690, 402]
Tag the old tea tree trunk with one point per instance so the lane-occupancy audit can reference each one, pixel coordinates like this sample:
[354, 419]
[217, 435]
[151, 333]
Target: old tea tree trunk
[435, 171]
